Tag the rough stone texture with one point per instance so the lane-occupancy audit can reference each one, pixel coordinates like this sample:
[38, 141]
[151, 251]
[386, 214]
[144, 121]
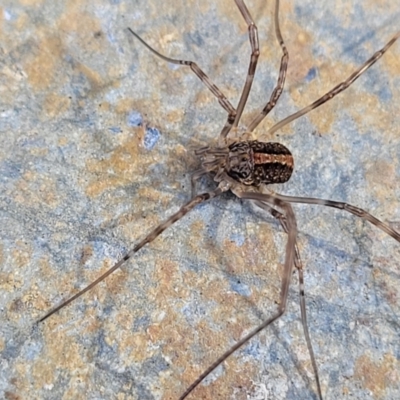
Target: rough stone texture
[96, 149]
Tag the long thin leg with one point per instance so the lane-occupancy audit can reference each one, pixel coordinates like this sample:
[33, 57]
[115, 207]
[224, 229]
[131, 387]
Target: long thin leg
[148, 239]
[289, 262]
[281, 78]
[304, 322]
[337, 89]
[255, 52]
[299, 266]
[222, 100]
[329, 203]
[358, 212]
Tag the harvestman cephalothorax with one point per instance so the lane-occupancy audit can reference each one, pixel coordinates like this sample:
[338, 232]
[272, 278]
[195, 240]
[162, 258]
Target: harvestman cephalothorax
[245, 167]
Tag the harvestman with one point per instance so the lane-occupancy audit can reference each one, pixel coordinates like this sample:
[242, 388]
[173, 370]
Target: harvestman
[245, 167]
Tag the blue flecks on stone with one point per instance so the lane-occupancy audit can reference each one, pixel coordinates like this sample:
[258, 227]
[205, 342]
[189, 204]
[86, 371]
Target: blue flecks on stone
[384, 93]
[237, 238]
[115, 129]
[11, 350]
[196, 266]
[111, 38]
[7, 15]
[196, 38]
[332, 323]
[272, 353]
[141, 323]
[135, 119]
[311, 74]
[10, 170]
[31, 350]
[151, 138]
[68, 58]
[104, 350]
[334, 376]
[98, 246]
[154, 365]
[107, 310]
[32, 142]
[80, 86]
[334, 252]
[193, 313]
[240, 288]
[253, 349]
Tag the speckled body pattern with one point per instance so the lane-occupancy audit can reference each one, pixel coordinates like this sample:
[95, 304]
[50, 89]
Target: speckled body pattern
[254, 163]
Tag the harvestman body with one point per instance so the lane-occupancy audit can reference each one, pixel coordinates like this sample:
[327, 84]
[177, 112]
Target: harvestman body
[244, 167]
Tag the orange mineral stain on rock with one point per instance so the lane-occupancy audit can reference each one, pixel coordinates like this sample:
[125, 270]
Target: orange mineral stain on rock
[21, 254]
[113, 171]
[76, 19]
[41, 69]
[31, 2]
[95, 79]
[181, 342]
[55, 104]
[64, 355]
[377, 376]
[374, 174]
[301, 56]
[9, 282]
[391, 62]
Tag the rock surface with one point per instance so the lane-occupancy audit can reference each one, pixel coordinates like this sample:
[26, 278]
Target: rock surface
[97, 139]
